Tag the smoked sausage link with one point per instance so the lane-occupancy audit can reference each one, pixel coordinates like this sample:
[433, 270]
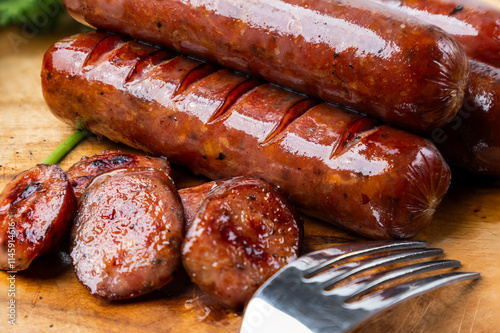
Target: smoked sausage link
[36, 211]
[243, 232]
[355, 53]
[472, 139]
[334, 165]
[475, 24]
[127, 234]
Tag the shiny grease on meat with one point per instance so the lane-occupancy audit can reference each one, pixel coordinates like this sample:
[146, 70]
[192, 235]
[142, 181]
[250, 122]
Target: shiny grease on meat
[127, 233]
[355, 53]
[334, 165]
[242, 233]
[475, 24]
[36, 211]
[82, 172]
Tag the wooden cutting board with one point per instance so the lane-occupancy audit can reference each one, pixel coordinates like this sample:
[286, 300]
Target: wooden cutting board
[48, 298]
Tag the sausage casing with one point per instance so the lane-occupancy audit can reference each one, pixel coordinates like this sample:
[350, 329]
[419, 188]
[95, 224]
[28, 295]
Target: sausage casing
[335, 165]
[354, 53]
[472, 139]
[36, 210]
[474, 24]
[242, 233]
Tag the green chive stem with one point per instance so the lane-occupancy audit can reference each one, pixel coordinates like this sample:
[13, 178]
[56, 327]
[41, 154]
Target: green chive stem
[65, 147]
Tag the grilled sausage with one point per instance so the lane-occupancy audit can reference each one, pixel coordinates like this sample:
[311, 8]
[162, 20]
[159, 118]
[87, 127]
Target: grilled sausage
[81, 173]
[242, 233]
[473, 23]
[334, 165]
[36, 210]
[354, 53]
[127, 234]
[472, 139]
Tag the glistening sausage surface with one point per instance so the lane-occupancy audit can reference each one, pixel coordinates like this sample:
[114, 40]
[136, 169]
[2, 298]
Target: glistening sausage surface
[338, 166]
[472, 139]
[82, 172]
[127, 234]
[36, 211]
[354, 53]
[242, 233]
[473, 23]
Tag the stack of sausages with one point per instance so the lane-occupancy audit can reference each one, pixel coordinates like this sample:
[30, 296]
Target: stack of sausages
[333, 162]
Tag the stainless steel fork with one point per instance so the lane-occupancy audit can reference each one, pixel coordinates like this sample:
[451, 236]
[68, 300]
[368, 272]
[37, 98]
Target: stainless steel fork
[336, 289]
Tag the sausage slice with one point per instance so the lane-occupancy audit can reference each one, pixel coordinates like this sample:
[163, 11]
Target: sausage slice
[127, 233]
[36, 209]
[81, 173]
[243, 232]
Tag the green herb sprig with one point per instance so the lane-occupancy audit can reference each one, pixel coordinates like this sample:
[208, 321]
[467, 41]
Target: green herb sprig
[43, 14]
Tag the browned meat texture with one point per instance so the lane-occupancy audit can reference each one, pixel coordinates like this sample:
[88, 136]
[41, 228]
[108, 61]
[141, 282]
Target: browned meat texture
[242, 233]
[191, 198]
[36, 210]
[335, 165]
[354, 53]
[127, 233]
[81, 173]
[474, 24]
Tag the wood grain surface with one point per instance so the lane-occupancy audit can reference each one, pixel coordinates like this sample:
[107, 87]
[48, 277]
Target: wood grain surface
[48, 297]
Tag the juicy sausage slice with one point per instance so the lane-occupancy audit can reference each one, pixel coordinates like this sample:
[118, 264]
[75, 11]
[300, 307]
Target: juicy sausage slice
[333, 164]
[127, 234]
[242, 233]
[36, 210]
[82, 172]
[354, 53]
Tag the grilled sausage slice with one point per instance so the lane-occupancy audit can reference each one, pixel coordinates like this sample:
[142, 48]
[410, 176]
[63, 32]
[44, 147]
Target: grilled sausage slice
[354, 53]
[242, 233]
[82, 172]
[474, 24]
[127, 233]
[36, 210]
[334, 165]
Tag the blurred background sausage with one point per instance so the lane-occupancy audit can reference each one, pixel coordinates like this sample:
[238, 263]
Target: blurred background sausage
[472, 139]
[475, 24]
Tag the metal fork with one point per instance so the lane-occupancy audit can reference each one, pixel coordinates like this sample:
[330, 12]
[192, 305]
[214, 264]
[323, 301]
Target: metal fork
[336, 289]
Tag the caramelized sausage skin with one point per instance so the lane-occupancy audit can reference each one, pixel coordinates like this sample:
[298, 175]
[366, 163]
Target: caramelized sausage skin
[474, 24]
[334, 165]
[354, 53]
[127, 234]
[242, 233]
[472, 139]
[36, 211]
[82, 172]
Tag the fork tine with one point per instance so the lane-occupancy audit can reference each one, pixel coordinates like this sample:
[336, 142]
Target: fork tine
[365, 284]
[319, 260]
[392, 296]
[383, 261]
